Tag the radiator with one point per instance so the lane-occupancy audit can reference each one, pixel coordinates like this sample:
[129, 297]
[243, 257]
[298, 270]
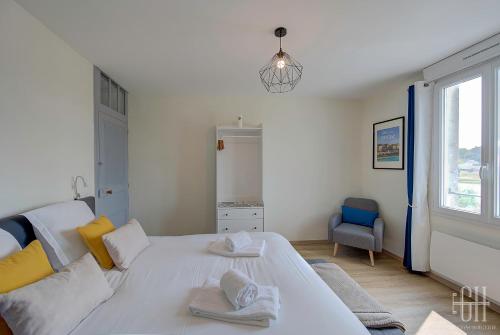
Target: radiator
[466, 263]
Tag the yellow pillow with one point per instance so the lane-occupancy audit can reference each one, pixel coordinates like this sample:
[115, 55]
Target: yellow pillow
[24, 267]
[92, 236]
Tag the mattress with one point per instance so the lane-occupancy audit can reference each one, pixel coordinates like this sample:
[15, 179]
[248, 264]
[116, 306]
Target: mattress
[152, 296]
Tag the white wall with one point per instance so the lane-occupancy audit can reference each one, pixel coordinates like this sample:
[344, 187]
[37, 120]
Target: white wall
[46, 114]
[387, 187]
[311, 160]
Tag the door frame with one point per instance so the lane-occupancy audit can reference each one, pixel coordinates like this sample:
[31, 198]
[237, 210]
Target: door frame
[123, 118]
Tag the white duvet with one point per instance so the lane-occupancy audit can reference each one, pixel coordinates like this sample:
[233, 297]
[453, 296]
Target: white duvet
[155, 292]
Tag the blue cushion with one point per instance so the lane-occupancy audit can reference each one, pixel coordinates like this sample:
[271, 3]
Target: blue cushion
[358, 216]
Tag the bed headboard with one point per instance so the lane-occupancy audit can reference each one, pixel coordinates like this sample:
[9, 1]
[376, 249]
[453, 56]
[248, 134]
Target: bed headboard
[90, 201]
[21, 228]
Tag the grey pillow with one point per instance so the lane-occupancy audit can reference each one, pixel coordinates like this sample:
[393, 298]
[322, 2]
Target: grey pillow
[58, 303]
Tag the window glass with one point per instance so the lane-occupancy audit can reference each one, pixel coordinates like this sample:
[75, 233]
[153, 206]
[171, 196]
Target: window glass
[461, 182]
[113, 96]
[121, 101]
[104, 90]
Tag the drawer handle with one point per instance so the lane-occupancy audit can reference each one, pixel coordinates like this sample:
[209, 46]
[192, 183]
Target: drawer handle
[226, 214]
[254, 228]
[254, 213]
[226, 229]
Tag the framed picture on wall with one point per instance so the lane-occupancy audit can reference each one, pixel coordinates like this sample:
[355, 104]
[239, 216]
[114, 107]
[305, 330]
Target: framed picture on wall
[389, 144]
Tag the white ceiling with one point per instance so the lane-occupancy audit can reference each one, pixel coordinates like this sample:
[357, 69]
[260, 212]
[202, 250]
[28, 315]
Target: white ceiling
[216, 47]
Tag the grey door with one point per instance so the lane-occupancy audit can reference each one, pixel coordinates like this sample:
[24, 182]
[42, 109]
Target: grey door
[111, 146]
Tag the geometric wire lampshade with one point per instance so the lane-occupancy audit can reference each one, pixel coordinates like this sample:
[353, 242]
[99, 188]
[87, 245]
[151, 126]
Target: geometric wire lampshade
[283, 72]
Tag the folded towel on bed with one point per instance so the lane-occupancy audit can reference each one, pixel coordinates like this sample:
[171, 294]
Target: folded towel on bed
[255, 249]
[210, 302]
[240, 240]
[240, 290]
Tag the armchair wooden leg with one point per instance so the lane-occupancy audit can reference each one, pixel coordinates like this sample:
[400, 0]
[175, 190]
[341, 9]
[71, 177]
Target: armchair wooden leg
[371, 257]
[335, 249]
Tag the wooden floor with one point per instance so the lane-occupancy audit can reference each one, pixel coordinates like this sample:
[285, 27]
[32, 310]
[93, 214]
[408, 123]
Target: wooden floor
[423, 304]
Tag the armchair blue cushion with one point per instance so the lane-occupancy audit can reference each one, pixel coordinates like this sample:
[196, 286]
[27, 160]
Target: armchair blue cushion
[358, 216]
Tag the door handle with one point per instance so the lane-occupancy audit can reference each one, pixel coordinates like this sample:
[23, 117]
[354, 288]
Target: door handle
[110, 191]
[483, 171]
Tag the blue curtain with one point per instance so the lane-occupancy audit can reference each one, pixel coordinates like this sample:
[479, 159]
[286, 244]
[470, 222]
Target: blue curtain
[409, 175]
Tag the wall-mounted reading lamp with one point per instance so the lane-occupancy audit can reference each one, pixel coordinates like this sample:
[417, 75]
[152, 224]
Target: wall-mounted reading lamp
[75, 186]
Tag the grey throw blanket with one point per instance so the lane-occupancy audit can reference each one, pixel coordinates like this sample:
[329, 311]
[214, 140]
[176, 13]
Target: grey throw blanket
[364, 306]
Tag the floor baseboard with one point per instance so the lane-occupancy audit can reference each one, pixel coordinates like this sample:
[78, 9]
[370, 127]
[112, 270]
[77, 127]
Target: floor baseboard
[392, 255]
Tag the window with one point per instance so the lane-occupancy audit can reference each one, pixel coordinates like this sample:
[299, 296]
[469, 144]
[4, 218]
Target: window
[462, 146]
[469, 143]
[112, 96]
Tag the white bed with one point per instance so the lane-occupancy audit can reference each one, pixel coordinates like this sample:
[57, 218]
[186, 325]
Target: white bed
[156, 289]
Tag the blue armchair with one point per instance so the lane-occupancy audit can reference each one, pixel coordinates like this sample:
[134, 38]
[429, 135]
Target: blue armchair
[355, 235]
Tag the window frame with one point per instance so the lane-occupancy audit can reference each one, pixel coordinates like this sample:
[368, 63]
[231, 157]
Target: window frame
[495, 139]
[107, 108]
[489, 135]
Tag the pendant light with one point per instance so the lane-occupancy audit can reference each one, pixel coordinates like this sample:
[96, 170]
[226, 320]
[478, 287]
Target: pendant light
[283, 72]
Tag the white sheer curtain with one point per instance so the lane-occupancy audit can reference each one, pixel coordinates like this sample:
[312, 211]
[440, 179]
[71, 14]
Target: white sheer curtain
[420, 227]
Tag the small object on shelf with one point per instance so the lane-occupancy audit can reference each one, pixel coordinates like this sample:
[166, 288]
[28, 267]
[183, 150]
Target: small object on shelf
[220, 145]
[240, 121]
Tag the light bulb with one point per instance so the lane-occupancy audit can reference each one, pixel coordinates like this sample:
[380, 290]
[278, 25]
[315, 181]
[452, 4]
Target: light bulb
[280, 64]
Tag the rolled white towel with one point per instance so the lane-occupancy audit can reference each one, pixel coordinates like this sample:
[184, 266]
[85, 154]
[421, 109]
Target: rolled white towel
[240, 290]
[238, 241]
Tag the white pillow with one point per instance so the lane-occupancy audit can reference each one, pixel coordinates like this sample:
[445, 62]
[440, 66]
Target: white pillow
[125, 243]
[55, 227]
[8, 244]
[57, 303]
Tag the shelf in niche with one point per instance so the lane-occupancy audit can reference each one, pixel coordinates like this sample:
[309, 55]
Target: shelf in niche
[239, 179]
[238, 132]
